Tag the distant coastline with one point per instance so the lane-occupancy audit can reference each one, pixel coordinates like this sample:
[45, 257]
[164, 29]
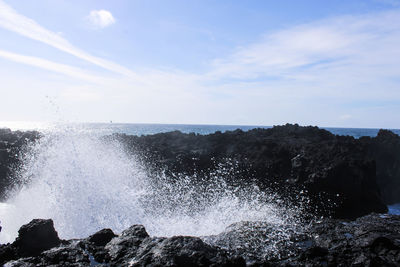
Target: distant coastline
[154, 128]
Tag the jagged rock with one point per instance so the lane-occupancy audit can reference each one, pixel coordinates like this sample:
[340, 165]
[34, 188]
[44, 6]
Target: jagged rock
[182, 251]
[37, 236]
[344, 177]
[33, 238]
[124, 247]
[71, 254]
[7, 253]
[338, 173]
[372, 240]
[102, 237]
[259, 240]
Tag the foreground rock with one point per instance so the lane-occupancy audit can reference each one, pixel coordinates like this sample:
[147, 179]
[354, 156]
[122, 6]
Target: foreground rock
[134, 247]
[372, 240]
[33, 238]
[342, 176]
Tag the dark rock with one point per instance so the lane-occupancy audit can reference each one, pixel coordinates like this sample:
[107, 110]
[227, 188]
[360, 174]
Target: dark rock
[7, 253]
[343, 177]
[182, 251]
[69, 255]
[385, 149]
[338, 173]
[102, 237]
[35, 237]
[134, 247]
[372, 240]
[259, 240]
[11, 144]
[125, 246]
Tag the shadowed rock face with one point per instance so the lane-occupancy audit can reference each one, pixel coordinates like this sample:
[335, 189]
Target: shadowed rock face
[371, 240]
[343, 176]
[11, 144]
[385, 149]
[35, 237]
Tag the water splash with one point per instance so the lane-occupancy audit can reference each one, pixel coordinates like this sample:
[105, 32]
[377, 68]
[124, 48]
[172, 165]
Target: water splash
[86, 183]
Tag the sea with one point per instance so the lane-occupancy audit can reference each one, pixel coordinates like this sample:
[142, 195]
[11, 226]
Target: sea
[85, 184]
[146, 129]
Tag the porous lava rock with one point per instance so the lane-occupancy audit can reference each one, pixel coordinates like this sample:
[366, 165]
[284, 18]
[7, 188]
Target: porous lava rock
[37, 236]
[341, 175]
[372, 240]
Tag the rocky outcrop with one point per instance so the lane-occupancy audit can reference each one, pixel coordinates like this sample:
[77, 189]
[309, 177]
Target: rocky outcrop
[385, 150]
[342, 176]
[134, 247]
[339, 173]
[33, 238]
[11, 144]
[372, 240]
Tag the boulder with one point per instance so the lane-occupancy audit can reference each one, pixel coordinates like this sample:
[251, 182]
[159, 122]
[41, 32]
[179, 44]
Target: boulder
[35, 237]
[102, 237]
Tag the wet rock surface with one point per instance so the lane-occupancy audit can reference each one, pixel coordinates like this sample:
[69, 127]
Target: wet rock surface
[344, 177]
[11, 144]
[372, 240]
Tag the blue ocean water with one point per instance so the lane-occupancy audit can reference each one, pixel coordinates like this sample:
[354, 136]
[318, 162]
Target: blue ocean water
[145, 129]
[394, 209]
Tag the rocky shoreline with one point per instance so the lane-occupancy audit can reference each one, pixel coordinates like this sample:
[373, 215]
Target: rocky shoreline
[342, 176]
[347, 183]
[372, 240]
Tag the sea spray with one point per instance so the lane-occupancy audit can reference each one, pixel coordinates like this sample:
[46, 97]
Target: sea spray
[79, 181]
[85, 183]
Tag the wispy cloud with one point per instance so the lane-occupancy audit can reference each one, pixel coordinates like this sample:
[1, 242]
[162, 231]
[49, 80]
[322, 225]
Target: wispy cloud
[101, 18]
[13, 21]
[347, 43]
[51, 66]
[327, 72]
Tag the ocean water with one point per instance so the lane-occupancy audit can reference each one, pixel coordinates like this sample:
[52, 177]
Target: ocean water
[145, 129]
[85, 184]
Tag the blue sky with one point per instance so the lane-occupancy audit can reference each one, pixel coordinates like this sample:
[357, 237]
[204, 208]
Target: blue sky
[327, 63]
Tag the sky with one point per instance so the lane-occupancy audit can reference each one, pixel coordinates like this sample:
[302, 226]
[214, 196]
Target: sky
[328, 63]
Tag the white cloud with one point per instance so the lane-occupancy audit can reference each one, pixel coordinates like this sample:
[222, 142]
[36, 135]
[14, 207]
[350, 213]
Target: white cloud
[346, 44]
[307, 73]
[101, 18]
[11, 20]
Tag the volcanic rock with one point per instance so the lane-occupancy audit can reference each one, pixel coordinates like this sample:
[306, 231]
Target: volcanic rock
[11, 144]
[102, 237]
[338, 173]
[372, 240]
[37, 236]
[385, 149]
